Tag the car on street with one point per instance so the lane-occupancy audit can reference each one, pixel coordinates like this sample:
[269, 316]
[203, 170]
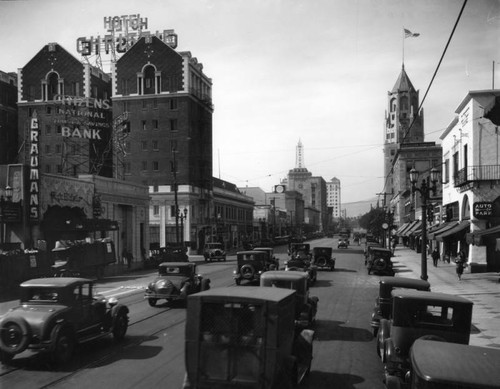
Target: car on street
[214, 251]
[175, 281]
[272, 263]
[306, 306]
[322, 258]
[417, 314]
[379, 261]
[245, 337]
[342, 244]
[250, 265]
[449, 366]
[300, 258]
[55, 314]
[383, 302]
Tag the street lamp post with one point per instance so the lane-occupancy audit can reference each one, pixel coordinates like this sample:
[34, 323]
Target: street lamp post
[425, 191]
[182, 217]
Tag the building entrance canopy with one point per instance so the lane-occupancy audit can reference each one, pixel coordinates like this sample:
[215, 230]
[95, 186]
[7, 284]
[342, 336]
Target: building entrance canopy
[457, 230]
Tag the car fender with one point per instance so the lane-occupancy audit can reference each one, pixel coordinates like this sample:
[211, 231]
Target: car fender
[117, 309]
[56, 330]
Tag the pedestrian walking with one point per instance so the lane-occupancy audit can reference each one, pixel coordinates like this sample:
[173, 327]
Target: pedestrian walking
[394, 244]
[461, 263]
[435, 256]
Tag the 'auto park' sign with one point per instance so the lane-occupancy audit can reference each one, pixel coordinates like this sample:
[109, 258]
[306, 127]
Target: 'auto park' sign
[483, 210]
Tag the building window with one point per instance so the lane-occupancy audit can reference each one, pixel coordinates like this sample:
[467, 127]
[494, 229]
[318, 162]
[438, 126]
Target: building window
[155, 124]
[59, 130]
[173, 103]
[47, 129]
[156, 166]
[446, 175]
[173, 125]
[156, 210]
[47, 168]
[48, 109]
[155, 145]
[144, 125]
[47, 149]
[144, 145]
[172, 211]
[58, 148]
[59, 169]
[144, 165]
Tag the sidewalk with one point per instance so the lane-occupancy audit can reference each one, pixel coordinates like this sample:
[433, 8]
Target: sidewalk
[483, 289]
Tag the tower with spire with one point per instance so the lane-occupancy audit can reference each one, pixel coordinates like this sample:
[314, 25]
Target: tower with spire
[403, 122]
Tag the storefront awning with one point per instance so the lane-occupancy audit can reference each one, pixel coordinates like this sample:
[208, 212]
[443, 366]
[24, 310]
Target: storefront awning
[476, 236]
[414, 227]
[408, 226]
[457, 230]
[401, 228]
[441, 228]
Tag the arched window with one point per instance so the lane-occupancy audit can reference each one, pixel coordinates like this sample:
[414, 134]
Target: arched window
[393, 105]
[404, 103]
[466, 208]
[149, 80]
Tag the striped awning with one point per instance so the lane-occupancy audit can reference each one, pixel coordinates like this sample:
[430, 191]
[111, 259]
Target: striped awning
[414, 227]
[402, 228]
[459, 229]
[441, 228]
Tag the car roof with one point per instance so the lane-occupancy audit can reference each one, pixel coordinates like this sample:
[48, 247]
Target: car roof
[405, 282]
[177, 264]
[246, 292]
[284, 275]
[249, 252]
[56, 282]
[262, 248]
[468, 366]
[411, 294]
[381, 249]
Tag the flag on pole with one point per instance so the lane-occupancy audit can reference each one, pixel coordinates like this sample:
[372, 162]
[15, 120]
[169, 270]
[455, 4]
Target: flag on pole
[409, 34]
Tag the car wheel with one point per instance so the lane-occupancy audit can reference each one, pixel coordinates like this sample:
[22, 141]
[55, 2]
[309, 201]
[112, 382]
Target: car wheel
[205, 284]
[152, 301]
[15, 336]
[120, 326]
[64, 345]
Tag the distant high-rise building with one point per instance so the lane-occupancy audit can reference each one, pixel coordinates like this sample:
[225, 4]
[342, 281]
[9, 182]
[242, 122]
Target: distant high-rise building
[333, 199]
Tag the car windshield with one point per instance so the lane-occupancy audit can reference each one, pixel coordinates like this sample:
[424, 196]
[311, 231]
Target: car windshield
[249, 257]
[175, 270]
[42, 295]
[214, 246]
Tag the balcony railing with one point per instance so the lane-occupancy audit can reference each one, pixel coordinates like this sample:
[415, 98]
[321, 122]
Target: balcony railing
[477, 173]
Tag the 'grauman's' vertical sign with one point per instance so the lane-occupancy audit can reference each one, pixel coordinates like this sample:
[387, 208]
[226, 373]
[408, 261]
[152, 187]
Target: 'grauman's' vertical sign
[34, 170]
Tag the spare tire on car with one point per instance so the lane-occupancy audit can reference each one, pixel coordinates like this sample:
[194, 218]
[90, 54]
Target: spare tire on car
[15, 335]
[247, 271]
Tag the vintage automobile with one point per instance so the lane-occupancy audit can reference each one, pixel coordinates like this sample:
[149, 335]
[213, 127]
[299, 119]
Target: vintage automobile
[449, 366]
[367, 248]
[272, 263]
[322, 258]
[56, 314]
[175, 281]
[300, 251]
[342, 244]
[214, 251]
[379, 261]
[303, 265]
[415, 314]
[306, 306]
[171, 253]
[383, 302]
[250, 265]
[245, 337]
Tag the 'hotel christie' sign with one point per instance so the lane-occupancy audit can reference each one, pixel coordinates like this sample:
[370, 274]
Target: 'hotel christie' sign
[124, 32]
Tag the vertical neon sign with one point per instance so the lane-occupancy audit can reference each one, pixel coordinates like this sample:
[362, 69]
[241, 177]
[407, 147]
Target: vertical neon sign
[34, 180]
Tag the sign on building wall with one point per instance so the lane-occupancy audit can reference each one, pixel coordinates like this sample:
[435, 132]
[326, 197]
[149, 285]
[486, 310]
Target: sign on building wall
[483, 210]
[34, 172]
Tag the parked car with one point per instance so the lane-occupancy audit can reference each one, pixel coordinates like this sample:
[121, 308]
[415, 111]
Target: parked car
[56, 314]
[367, 248]
[322, 258]
[272, 263]
[245, 337]
[416, 314]
[175, 281]
[166, 254]
[449, 366]
[250, 265]
[306, 306]
[383, 302]
[214, 251]
[342, 244]
[379, 261]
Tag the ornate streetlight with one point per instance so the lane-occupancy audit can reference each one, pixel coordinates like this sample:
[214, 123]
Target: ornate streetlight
[425, 191]
[182, 216]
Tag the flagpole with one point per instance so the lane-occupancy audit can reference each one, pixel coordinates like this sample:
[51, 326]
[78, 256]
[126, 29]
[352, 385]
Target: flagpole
[403, 46]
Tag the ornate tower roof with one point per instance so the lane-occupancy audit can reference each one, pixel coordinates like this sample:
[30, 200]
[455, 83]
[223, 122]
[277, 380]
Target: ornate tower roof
[403, 83]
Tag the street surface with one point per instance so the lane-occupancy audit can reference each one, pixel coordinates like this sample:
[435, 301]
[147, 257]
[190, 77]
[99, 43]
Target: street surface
[152, 354]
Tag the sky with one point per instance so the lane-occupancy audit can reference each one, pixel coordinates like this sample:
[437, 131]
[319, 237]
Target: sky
[284, 71]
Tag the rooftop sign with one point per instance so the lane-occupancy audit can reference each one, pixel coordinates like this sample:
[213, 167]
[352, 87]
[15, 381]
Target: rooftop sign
[123, 31]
